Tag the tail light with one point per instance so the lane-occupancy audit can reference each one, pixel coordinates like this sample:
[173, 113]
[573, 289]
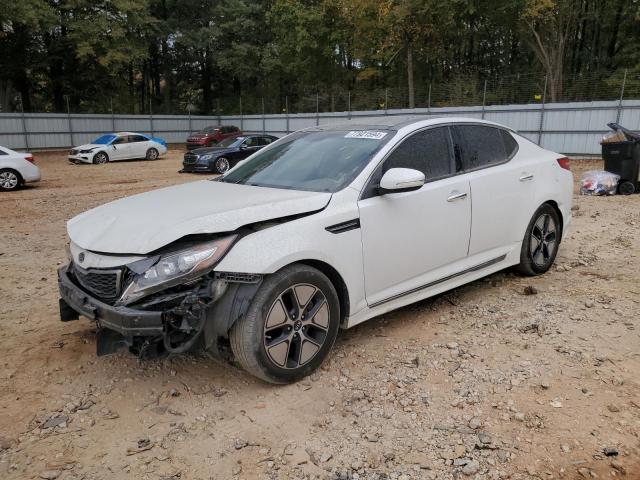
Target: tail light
[564, 163]
[29, 158]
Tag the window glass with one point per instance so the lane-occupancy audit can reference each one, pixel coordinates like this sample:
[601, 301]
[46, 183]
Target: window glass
[510, 143]
[251, 142]
[265, 140]
[482, 146]
[318, 161]
[2, 152]
[136, 138]
[119, 140]
[427, 151]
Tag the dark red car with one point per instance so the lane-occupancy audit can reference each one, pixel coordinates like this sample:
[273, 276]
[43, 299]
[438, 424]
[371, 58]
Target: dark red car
[211, 135]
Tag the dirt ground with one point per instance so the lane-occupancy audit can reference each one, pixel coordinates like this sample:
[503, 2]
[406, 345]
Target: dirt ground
[485, 381]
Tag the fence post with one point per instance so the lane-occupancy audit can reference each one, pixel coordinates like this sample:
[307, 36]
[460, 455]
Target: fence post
[544, 100]
[484, 98]
[264, 120]
[151, 117]
[386, 101]
[317, 108]
[25, 133]
[241, 117]
[429, 99]
[189, 110]
[113, 118]
[349, 105]
[286, 108]
[66, 97]
[624, 82]
[218, 111]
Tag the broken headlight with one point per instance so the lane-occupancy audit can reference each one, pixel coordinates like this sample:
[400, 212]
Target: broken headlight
[176, 267]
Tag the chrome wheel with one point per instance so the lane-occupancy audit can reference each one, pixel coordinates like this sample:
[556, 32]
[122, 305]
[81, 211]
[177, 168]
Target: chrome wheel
[222, 165]
[543, 241]
[9, 180]
[100, 158]
[296, 326]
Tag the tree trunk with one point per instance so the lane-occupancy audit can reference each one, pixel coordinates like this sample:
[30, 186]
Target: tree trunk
[412, 102]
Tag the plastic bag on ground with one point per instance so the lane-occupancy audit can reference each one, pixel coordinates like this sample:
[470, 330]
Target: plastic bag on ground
[599, 182]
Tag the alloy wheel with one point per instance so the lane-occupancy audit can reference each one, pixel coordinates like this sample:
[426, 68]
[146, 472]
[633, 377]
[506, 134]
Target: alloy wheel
[152, 154]
[543, 242]
[296, 326]
[100, 158]
[222, 165]
[8, 180]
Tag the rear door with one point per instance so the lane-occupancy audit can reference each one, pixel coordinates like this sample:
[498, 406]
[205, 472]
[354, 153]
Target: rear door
[501, 187]
[410, 238]
[139, 146]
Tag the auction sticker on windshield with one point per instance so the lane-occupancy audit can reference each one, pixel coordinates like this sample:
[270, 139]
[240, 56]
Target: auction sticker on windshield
[368, 134]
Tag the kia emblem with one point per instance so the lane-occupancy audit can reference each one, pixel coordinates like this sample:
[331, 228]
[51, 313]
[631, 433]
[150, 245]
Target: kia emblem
[81, 257]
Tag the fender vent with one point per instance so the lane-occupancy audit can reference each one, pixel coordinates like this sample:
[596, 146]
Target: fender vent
[344, 226]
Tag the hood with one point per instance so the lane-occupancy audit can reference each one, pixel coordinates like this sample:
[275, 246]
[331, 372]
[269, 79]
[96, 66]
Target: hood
[214, 150]
[88, 146]
[146, 222]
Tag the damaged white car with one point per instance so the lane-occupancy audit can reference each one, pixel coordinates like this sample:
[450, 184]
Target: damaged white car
[325, 228]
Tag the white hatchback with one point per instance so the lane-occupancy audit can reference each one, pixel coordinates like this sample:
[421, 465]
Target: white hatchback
[119, 146]
[16, 169]
[324, 228]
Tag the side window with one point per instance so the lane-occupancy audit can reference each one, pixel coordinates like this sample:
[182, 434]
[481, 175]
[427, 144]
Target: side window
[428, 151]
[481, 146]
[250, 142]
[136, 138]
[510, 143]
[119, 141]
[2, 152]
[265, 140]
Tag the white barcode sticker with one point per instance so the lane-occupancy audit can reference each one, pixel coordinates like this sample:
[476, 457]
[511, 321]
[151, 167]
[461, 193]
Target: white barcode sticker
[367, 134]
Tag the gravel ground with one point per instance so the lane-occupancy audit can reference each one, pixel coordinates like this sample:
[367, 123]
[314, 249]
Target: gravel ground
[507, 377]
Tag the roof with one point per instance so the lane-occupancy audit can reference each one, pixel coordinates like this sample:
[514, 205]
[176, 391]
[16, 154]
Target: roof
[396, 122]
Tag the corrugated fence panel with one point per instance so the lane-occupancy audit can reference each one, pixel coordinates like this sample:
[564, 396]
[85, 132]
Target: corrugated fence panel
[567, 127]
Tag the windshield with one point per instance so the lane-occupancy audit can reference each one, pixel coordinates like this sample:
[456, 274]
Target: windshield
[206, 131]
[230, 142]
[104, 140]
[318, 161]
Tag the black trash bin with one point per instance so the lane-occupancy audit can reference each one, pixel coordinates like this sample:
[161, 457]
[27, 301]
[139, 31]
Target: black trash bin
[623, 158]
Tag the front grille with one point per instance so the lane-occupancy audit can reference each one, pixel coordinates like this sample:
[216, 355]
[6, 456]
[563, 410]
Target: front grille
[190, 158]
[103, 283]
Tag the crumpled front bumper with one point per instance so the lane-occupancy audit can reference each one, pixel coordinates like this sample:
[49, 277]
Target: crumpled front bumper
[128, 322]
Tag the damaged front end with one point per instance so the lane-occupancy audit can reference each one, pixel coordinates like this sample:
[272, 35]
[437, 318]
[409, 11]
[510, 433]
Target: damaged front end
[167, 303]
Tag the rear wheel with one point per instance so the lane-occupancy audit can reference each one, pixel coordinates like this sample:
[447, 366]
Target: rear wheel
[152, 154]
[9, 179]
[221, 165]
[290, 326]
[100, 158]
[541, 241]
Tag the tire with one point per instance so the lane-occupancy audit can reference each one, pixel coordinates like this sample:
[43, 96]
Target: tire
[274, 341]
[626, 188]
[541, 242]
[100, 158]
[10, 179]
[221, 165]
[152, 154]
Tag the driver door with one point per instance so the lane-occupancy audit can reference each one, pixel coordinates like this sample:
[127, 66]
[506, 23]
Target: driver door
[120, 149]
[410, 238]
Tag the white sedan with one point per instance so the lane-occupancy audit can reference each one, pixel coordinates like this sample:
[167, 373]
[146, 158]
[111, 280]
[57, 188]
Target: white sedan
[16, 169]
[119, 146]
[322, 229]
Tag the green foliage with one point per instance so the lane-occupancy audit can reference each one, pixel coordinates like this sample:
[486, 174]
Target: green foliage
[230, 55]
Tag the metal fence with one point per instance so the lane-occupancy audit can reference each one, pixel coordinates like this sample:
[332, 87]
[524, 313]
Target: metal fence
[570, 128]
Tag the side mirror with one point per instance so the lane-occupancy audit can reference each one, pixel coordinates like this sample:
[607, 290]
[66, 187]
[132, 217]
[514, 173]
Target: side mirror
[114, 146]
[401, 180]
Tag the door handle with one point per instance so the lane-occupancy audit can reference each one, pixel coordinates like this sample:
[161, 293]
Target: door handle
[456, 196]
[526, 177]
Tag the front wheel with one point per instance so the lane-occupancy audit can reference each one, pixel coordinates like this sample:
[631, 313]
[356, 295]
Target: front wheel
[541, 242]
[9, 179]
[152, 154]
[221, 165]
[100, 158]
[290, 326]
